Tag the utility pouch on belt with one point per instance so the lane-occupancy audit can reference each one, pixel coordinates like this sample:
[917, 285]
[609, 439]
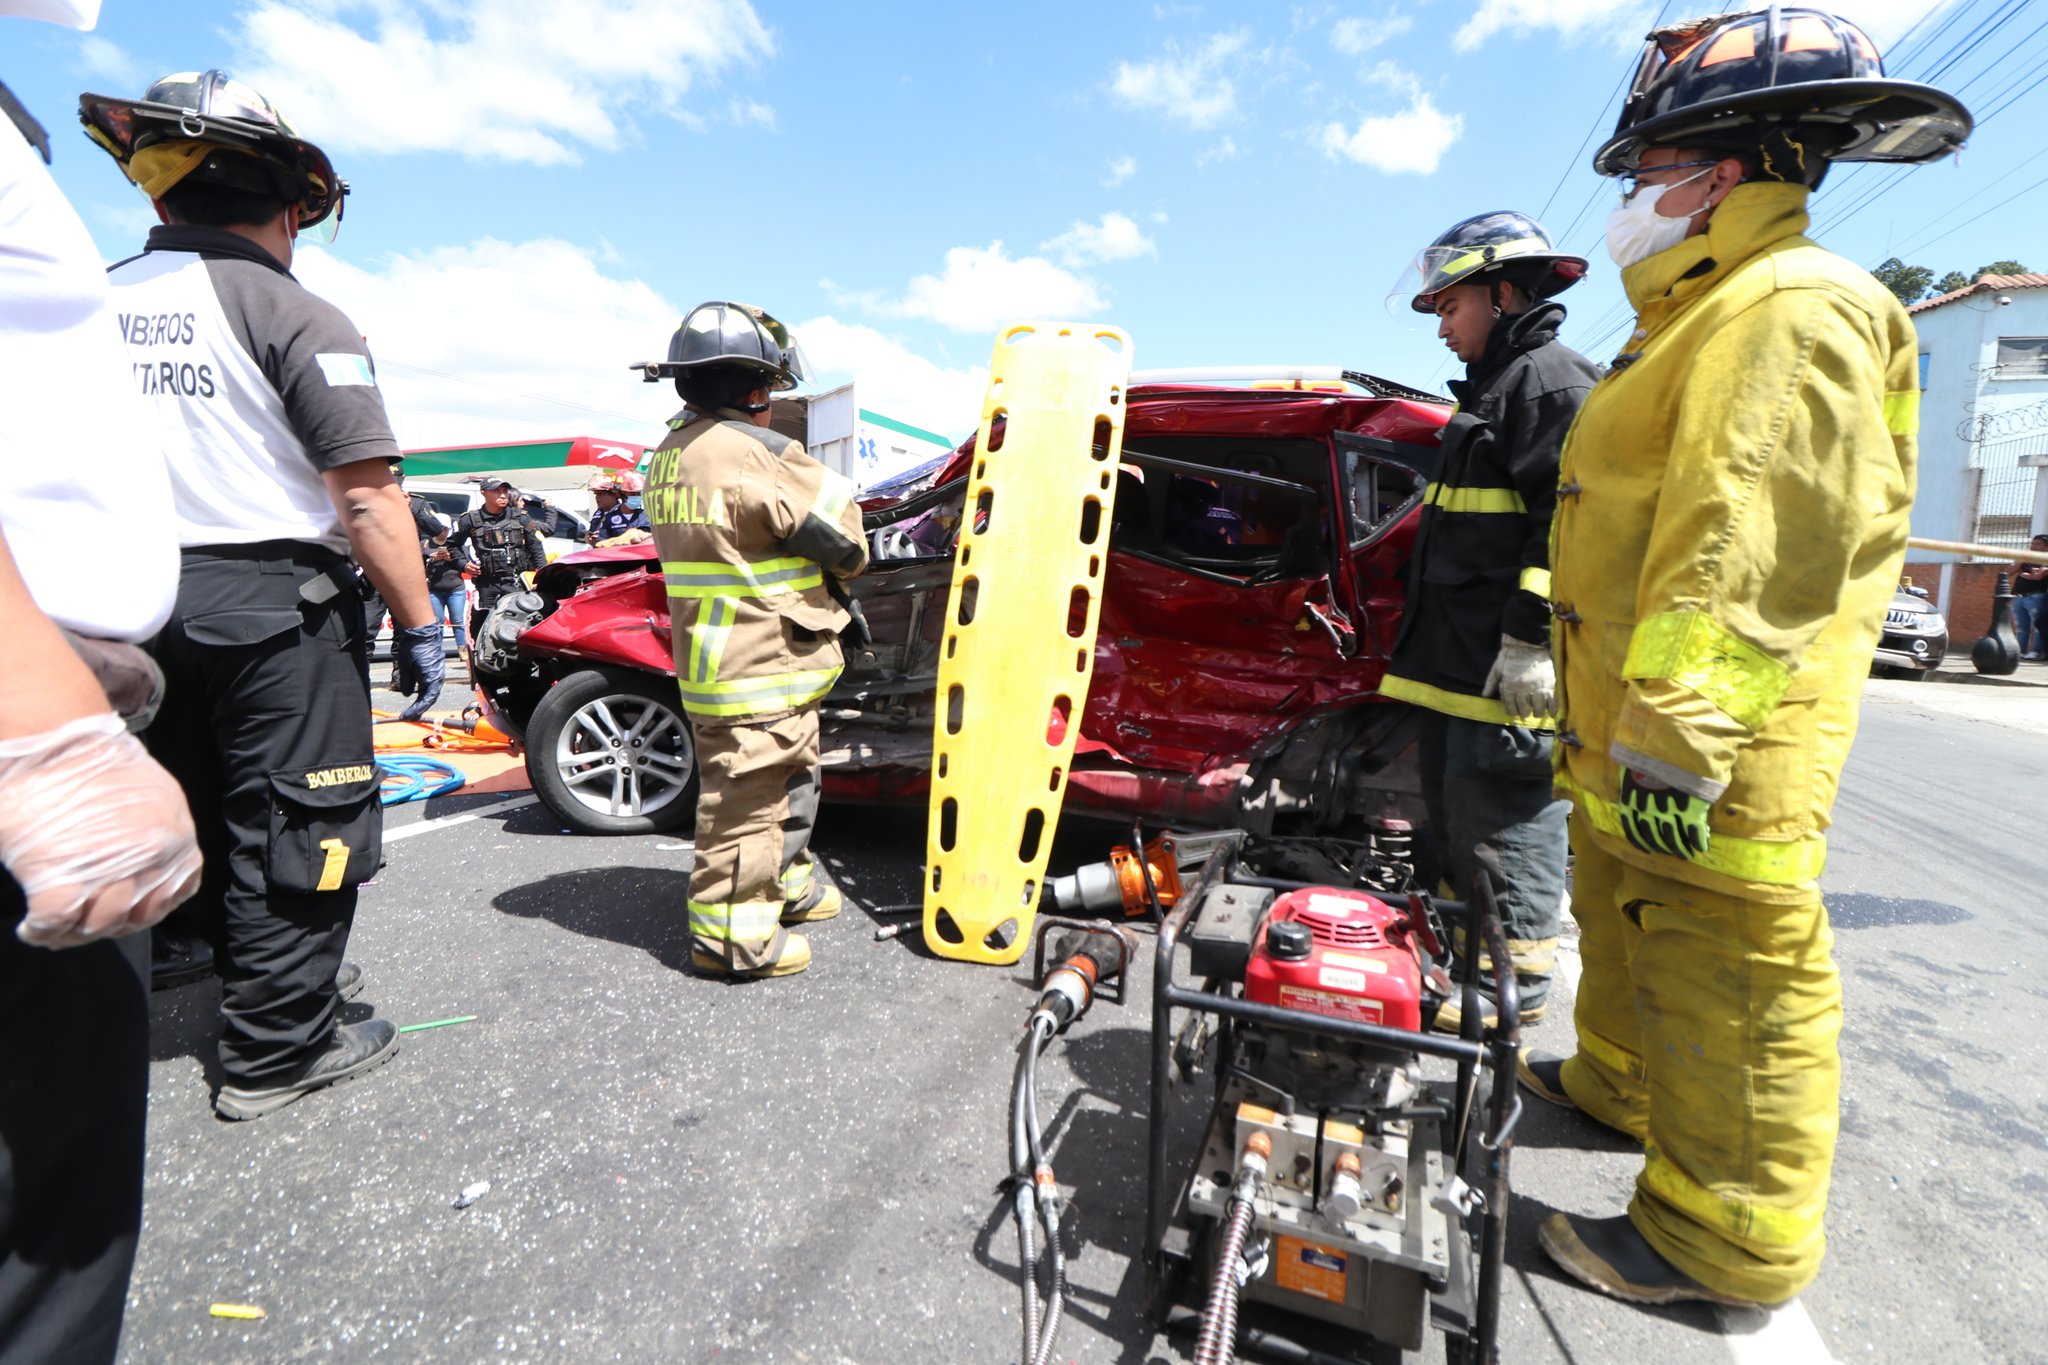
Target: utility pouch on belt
[1512, 751]
[133, 683]
[342, 580]
[326, 828]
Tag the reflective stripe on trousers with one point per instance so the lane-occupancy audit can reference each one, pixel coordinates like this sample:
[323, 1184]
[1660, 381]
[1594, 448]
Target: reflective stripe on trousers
[1707, 1023]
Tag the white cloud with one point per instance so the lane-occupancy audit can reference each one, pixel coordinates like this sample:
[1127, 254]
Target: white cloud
[1354, 37]
[1224, 149]
[1115, 238]
[1120, 170]
[1412, 141]
[1570, 18]
[753, 112]
[981, 289]
[1190, 88]
[891, 379]
[101, 60]
[499, 340]
[514, 80]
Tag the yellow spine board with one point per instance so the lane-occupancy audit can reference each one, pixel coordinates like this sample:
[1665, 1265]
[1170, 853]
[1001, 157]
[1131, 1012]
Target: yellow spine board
[1019, 644]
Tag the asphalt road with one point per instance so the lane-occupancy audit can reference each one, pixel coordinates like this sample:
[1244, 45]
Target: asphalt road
[803, 1170]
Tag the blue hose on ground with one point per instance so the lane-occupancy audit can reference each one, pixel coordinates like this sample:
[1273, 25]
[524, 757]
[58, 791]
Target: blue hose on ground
[415, 777]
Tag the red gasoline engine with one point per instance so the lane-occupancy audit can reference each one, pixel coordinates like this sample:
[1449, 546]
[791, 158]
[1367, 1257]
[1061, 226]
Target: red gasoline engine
[1344, 954]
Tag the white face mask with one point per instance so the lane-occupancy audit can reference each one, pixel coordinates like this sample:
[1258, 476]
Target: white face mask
[1636, 231]
[78, 14]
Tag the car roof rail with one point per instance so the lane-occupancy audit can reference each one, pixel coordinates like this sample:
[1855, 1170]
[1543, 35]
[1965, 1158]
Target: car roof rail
[1271, 376]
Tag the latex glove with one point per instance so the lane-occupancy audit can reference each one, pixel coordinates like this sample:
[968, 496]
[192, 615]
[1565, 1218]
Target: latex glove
[1660, 819]
[1524, 679]
[96, 833]
[424, 662]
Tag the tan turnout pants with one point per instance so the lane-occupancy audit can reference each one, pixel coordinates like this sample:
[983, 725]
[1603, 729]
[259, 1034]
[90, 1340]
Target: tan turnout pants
[756, 805]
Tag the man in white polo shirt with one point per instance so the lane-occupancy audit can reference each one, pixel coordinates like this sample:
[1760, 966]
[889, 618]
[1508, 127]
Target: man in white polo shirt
[95, 841]
[278, 447]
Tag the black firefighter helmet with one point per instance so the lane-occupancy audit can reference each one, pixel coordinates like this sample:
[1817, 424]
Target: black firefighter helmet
[207, 126]
[1796, 85]
[1503, 245]
[734, 338]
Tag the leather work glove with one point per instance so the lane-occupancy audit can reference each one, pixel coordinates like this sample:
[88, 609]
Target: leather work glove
[1660, 819]
[1524, 679]
[423, 660]
[96, 833]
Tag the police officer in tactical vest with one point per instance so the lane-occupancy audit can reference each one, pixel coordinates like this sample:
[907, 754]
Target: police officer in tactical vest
[754, 536]
[506, 544]
[1474, 647]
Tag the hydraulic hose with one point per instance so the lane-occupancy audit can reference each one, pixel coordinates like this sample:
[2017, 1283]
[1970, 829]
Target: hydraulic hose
[1217, 1343]
[1027, 1161]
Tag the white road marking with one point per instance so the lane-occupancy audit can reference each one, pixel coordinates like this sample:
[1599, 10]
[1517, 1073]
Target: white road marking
[450, 821]
[1778, 1336]
[1755, 1336]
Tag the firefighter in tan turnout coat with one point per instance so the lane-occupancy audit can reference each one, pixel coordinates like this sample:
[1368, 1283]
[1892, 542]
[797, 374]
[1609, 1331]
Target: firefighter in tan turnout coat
[751, 533]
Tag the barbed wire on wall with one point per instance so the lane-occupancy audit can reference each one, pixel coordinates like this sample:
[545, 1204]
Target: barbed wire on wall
[1979, 427]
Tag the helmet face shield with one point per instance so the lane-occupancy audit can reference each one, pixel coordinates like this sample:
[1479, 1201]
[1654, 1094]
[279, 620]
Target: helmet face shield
[1503, 245]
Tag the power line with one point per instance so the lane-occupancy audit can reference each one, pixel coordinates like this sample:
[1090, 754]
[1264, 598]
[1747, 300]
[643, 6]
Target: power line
[1993, 209]
[1960, 206]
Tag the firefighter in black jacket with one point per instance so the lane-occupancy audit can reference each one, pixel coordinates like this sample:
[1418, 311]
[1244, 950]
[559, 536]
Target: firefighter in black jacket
[1474, 648]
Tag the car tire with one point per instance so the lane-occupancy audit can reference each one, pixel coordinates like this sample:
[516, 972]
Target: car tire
[582, 729]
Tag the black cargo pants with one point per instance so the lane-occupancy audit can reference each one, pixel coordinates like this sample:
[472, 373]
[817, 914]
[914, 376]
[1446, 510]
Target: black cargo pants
[74, 1028]
[1487, 788]
[266, 725]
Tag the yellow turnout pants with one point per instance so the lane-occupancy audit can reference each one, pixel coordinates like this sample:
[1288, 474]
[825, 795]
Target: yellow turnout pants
[1707, 1026]
[757, 801]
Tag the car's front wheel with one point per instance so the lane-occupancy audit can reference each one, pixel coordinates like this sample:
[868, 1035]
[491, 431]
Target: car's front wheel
[610, 753]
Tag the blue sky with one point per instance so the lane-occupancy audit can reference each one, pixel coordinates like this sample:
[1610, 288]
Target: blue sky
[543, 186]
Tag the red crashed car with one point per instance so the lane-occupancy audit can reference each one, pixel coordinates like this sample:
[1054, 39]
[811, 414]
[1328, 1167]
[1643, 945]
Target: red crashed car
[1251, 597]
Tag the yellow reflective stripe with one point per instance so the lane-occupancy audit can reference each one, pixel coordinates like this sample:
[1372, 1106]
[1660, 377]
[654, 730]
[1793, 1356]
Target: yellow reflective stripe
[1690, 648]
[796, 883]
[1462, 704]
[708, 637]
[1475, 499]
[1778, 862]
[1747, 1221]
[760, 578]
[754, 696]
[1537, 581]
[744, 921]
[1615, 1059]
[836, 492]
[1902, 412]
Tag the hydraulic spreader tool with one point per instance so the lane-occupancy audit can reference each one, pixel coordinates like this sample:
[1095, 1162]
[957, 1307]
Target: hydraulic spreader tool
[1314, 1153]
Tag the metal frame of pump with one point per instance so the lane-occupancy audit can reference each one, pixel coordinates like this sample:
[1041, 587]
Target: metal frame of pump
[1465, 1304]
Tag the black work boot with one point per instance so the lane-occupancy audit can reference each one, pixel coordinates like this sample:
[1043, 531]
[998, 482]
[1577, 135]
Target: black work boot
[348, 981]
[175, 960]
[1450, 1016]
[354, 1049]
[1610, 1255]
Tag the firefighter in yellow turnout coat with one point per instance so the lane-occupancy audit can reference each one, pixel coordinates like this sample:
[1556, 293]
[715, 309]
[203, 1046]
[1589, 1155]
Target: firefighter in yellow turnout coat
[751, 531]
[1731, 521]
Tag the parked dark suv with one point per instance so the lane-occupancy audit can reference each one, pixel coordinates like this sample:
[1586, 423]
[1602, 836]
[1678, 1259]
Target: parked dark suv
[1915, 638]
